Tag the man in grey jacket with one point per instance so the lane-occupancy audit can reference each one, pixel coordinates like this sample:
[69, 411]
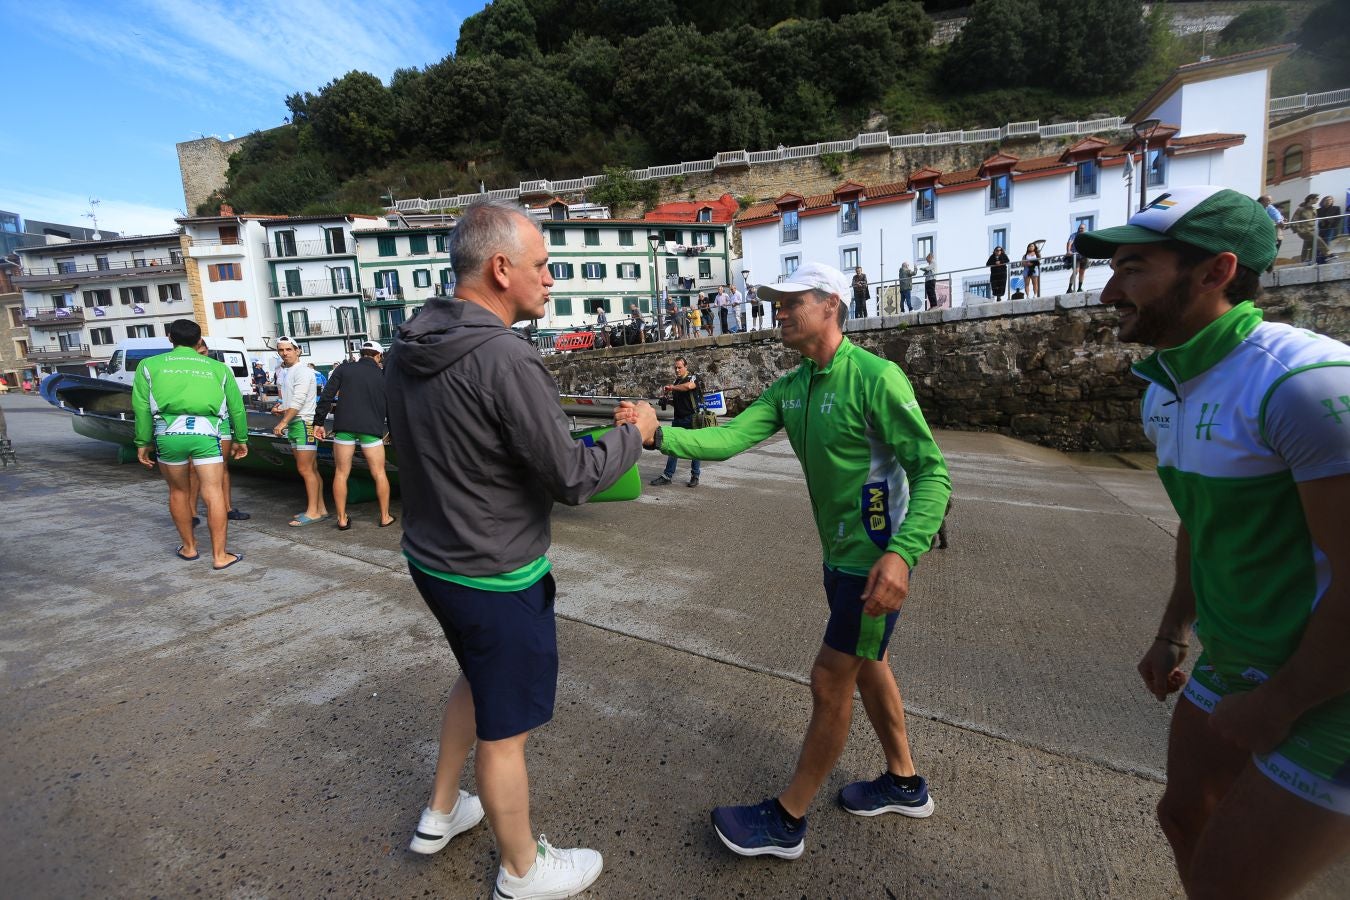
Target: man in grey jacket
[484, 451]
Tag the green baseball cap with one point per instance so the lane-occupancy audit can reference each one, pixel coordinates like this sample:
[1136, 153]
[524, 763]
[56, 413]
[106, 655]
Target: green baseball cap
[1219, 220]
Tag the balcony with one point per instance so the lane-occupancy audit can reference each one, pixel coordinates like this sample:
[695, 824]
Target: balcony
[320, 287]
[72, 274]
[77, 353]
[53, 316]
[203, 248]
[383, 296]
[329, 328]
[302, 249]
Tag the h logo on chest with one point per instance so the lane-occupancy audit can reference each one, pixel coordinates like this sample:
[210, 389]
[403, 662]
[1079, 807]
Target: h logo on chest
[828, 404]
[1206, 426]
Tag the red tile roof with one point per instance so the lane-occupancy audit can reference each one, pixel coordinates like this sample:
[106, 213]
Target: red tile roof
[724, 209]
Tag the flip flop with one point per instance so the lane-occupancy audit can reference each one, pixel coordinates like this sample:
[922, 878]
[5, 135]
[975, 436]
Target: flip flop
[392, 520]
[238, 557]
[179, 553]
[347, 527]
[302, 520]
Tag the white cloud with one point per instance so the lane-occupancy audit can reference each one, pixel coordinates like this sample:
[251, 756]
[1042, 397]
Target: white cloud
[123, 216]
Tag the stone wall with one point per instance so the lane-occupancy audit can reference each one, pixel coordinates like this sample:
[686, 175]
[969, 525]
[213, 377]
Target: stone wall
[1049, 371]
[202, 164]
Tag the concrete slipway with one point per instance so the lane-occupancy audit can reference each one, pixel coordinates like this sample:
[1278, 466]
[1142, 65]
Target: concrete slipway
[270, 731]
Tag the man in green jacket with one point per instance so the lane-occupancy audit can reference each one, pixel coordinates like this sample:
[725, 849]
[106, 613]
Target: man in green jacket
[182, 401]
[878, 486]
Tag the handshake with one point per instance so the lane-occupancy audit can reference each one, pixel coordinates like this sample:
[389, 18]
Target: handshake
[641, 415]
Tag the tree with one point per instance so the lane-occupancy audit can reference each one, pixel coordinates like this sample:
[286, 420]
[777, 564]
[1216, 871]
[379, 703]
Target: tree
[621, 189]
[354, 118]
[1259, 26]
[505, 28]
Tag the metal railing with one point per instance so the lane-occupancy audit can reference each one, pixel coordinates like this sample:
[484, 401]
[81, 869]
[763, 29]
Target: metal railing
[58, 354]
[53, 315]
[1309, 101]
[383, 295]
[324, 328]
[866, 140]
[157, 264]
[213, 242]
[320, 287]
[303, 248]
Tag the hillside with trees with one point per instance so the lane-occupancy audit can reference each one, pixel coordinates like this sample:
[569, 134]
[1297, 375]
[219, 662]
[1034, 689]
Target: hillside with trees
[561, 88]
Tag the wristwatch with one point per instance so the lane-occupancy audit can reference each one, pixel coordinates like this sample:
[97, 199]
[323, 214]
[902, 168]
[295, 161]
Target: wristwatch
[656, 439]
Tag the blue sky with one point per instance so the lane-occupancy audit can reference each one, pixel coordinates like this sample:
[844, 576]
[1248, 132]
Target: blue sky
[100, 92]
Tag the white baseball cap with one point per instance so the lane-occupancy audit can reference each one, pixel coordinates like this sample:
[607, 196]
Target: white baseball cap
[810, 276]
[372, 345]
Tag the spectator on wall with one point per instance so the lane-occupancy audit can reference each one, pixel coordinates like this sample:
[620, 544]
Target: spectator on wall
[998, 273]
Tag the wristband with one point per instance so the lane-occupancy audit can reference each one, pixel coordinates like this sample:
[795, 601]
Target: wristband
[656, 439]
[1181, 644]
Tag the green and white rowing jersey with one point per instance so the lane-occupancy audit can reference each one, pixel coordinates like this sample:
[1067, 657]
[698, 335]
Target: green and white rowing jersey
[876, 477]
[1242, 414]
[182, 392]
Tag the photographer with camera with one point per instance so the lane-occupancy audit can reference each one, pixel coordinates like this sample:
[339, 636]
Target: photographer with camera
[683, 393]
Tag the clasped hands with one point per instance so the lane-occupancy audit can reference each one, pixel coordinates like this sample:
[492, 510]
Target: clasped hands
[641, 415]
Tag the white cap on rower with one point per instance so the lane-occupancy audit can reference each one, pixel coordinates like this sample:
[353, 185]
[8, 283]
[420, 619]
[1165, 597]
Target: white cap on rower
[810, 276]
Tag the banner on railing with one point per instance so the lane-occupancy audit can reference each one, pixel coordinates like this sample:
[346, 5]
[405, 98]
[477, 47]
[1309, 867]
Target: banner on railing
[715, 402]
[576, 340]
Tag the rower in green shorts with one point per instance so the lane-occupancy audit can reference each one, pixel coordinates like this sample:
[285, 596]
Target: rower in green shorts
[360, 420]
[182, 400]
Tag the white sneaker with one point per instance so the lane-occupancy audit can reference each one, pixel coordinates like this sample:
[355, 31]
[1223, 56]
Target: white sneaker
[435, 829]
[554, 875]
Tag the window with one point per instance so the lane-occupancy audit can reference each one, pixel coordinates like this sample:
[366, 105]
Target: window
[790, 264]
[998, 237]
[705, 270]
[388, 246]
[130, 295]
[417, 244]
[704, 239]
[924, 246]
[447, 281]
[625, 237]
[1293, 160]
[66, 266]
[386, 284]
[925, 205]
[630, 271]
[1000, 192]
[231, 309]
[298, 320]
[293, 286]
[100, 336]
[284, 242]
[560, 271]
[421, 278]
[592, 237]
[59, 301]
[562, 306]
[16, 316]
[848, 259]
[593, 271]
[705, 215]
[557, 211]
[225, 272]
[672, 236]
[335, 239]
[1157, 168]
[21, 348]
[175, 257]
[348, 320]
[169, 293]
[848, 217]
[1085, 178]
[791, 231]
[140, 331]
[229, 234]
[672, 266]
[1270, 169]
[597, 303]
[557, 237]
[440, 243]
[98, 298]
[342, 280]
[101, 263]
[138, 260]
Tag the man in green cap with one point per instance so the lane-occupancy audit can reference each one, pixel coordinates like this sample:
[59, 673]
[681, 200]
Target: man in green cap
[1252, 425]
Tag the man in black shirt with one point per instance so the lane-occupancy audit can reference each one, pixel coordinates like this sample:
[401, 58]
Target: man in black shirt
[682, 392]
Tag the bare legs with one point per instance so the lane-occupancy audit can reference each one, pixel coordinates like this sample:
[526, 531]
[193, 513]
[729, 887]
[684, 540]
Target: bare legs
[306, 463]
[209, 477]
[343, 454]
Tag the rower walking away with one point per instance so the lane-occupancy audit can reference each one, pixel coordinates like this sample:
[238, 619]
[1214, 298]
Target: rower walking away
[226, 449]
[1252, 425]
[182, 400]
[299, 393]
[360, 419]
[483, 439]
[878, 486]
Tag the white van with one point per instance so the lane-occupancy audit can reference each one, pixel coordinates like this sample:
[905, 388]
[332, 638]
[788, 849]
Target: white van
[128, 354]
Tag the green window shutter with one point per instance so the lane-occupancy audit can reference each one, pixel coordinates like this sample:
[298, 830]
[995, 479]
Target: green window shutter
[417, 243]
[445, 276]
[672, 266]
[625, 237]
[557, 237]
[387, 246]
[569, 270]
[293, 282]
[562, 306]
[604, 271]
[379, 279]
[644, 305]
[712, 239]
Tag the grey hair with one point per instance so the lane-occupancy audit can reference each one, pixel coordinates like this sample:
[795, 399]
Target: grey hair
[841, 313]
[484, 230]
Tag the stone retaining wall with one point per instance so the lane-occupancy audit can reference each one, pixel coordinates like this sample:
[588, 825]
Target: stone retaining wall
[1049, 371]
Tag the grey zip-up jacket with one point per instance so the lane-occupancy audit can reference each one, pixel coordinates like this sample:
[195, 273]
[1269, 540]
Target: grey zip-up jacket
[483, 445]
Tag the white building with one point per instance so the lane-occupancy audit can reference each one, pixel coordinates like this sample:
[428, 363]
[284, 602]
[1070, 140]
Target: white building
[81, 297]
[621, 263]
[228, 275]
[400, 268]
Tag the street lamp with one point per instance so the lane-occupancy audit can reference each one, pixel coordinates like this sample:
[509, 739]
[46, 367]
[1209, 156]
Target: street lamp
[652, 241]
[1144, 130]
[745, 298]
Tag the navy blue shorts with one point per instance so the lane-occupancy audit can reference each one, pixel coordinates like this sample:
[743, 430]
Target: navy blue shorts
[850, 630]
[506, 644]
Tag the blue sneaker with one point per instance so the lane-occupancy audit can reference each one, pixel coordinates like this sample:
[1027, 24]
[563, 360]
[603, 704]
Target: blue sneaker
[883, 795]
[759, 830]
